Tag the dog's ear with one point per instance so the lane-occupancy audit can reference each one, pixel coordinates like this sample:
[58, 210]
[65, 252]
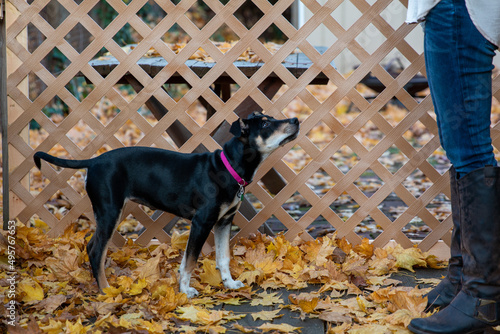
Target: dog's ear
[239, 128]
[256, 113]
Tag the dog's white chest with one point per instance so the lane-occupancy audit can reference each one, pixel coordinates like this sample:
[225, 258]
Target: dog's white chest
[225, 208]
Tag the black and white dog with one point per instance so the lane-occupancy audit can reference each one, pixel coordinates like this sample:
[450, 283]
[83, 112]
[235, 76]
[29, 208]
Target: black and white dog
[206, 188]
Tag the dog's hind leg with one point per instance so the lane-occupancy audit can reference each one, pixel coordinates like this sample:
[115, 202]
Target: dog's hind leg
[97, 247]
[200, 228]
[222, 232]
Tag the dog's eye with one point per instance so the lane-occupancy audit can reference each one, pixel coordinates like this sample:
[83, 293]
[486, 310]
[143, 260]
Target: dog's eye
[266, 124]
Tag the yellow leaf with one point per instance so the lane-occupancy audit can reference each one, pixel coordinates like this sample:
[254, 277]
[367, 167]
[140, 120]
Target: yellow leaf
[231, 301]
[189, 313]
[242, 329]
[370, 329]
[210, 318]
[403, 300]
[337, 317]
[124, 282]
[210, 274]
[267, 315]
[30, 290]
[170, 300]
[76, 328]
[179, 241]
[364, 249]
[364, 304]
[54, 327]
[434, 263]
[284, 328]
[266, 299]
[408, 258]
[307, 302]
[400, 317]
[137, 288]
[151, 269]
[112, 291]
[249, 276]
[151, 327]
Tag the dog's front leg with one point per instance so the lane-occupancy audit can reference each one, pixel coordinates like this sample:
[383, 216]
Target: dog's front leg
[222, 232]
[200, 229]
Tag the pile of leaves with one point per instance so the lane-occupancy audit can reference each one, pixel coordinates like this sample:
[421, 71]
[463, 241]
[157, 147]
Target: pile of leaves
[355, 293]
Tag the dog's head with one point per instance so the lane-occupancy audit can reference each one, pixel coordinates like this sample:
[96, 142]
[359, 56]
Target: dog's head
[265, 133]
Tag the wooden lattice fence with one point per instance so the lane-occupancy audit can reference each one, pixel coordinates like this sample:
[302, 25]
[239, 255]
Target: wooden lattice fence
[253, 93]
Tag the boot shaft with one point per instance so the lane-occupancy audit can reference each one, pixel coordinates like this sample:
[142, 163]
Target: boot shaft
[455, 263]
[479, 193]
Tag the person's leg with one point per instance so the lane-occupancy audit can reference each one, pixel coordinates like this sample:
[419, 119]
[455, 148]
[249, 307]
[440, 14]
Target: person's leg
[459, 70]
[459, 63]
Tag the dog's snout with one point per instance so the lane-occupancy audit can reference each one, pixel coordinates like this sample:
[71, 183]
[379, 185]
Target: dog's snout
[294, 121]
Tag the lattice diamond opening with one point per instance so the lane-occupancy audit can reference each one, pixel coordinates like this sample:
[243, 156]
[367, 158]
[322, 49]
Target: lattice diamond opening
[176, 35]
[418, 135]
[103, 13]
[55, 67]
[440, 207]
[54, 7]
[345, 159]
[248, 14]
[127, 35]
[345, 206]
[320, 182]
[369, 183]
[81, 134]
[368, 229]
[296, 206]
[346, 14]
[78, 37]
[416, 229]
[321, 135]
[320, 227]
[35, 37]
[393, 159]
[36, 86]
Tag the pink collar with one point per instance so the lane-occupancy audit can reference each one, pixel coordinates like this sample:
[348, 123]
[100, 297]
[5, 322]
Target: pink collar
[231, 170]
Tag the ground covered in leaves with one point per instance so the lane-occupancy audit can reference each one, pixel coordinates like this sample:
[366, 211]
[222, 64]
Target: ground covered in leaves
[57, 294]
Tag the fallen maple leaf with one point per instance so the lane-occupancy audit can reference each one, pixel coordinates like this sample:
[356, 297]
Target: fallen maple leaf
[285, 328]
[364, 249]
[267, 315]
[266, 299]
[242, 329]
[136, 288]
[336, 317]
[30, 290]
[306, 301]
[150, 270]
[408, 258]
[210, 275]
[51, 303]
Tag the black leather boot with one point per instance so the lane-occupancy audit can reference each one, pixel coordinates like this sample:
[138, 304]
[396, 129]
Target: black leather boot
[450, 286]
[476, 308]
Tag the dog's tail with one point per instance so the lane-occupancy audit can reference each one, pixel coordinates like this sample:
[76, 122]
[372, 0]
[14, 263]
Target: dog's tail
[76, 164]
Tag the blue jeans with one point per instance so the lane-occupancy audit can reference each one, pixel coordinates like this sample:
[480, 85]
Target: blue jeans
[459, 63]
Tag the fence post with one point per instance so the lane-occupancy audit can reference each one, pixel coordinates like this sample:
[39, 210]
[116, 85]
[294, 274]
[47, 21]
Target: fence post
[3, 112]
[13, 111]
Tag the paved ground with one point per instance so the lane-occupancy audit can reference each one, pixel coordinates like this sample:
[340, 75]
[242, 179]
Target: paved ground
[317, 326]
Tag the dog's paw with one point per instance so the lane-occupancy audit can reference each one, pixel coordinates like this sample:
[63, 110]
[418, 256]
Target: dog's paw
[190, 292]
[233, 285]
